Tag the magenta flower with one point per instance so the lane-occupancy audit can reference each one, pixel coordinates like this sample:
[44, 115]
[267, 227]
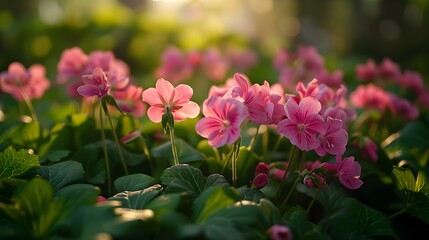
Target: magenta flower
[348, 172]
[19, 81]
[333, 139]
[303, 123]
[280, 232]
[260, 180]
[222, 122]
[367, 72]
[96, 84]
[175, 98]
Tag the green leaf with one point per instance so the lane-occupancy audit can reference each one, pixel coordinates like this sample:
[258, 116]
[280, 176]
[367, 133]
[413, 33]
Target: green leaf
[164, 204]
[357, 221]
[92, 160]
[79, 194]
[88, 222]
[415, 134]
[16, 164]
[221, 228]
[186, 153]
[55, 155]
[63, 173]
[250, 194]
[28, 135]
[270, 211]
[413, 192]
[183, 178]
[134, 182]
[303, 227]
[138, 199]
[212, 200]
[34, 210]
[215, 180]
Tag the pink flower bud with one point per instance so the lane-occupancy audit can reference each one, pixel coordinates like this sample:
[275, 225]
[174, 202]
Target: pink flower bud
[280, 232]
[262, 168]
[260, 180]
[130, 137]
[101, 199]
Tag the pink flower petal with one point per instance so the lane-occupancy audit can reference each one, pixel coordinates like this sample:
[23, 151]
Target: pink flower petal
[165, 90]
[151, 97]
[155, 114]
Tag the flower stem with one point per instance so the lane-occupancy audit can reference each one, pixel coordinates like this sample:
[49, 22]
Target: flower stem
[106, 155]
[121, 156]
[285, 201]
[147, 153]
[30, 106]
[173, 145]
[397, 213]
[312, 202]
[235, 152]
[283, 182]
[276, 146]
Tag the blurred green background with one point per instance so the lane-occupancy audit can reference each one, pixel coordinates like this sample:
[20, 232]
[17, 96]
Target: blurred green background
[138, 31]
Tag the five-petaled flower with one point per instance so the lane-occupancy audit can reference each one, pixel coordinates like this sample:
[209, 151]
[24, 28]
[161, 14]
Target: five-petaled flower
[303, 123]
[222, 122]
[177, 99]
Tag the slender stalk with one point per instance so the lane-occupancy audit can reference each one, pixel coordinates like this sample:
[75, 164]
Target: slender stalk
[253, 141]
[235, 151]
[106, 155]
[284, 203]
[276, 146]
[173, 146]
[283, 182]
[30, 106]
[147, 153]
[121, 156]
[397, 213]
[312, 202]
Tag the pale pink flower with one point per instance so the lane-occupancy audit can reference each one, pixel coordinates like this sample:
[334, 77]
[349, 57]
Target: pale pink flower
[95, 84]
[72, 64]
[333, 138]
[348, 172]
[174, 65]
[221, 90]
[280, 232]
[129, 100]
[165, 95]
[367, 72]
[242, 60]
[281, 59]
[311, 58]
[19, 81]
[101, 59]
[303, 123]
[222, 122]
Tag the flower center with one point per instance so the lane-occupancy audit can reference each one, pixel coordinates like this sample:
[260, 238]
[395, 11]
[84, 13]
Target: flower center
[301, 127]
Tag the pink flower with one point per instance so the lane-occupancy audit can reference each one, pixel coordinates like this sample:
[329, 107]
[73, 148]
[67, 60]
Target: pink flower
[413, 81]
[222, 122]
[214, 65]
[390, 70]
[280, 232]
[367, 147]
[72, 64]
[19, 81]
[403, 108]
[348, 172]
[174, 65]
[175, 98]
[129, 100]
[96, 84]
[367, 72]
[262, 168]
[333, 138]
[370, 96]
[303, 123]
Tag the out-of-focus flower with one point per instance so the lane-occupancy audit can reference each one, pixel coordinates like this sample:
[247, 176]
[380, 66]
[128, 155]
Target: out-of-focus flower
[214, 65]
[72, 64]
[95, 84]
[175, 65]
[303, 123]
[130, 137]
[129, 100]
[367, 72]
[370, 96]
[177, 99]
[222, 122]
[367, 147]
[280, 232]
[19, 81]
[389, 70]
[403, 108]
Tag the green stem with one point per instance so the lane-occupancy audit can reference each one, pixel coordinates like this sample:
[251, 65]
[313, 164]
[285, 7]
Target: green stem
[147, 153]
[253, 141]
[106, 155]
[173, 146]
[121, 156]
[283, 205]
[234, 163]
[283, 182]
[397, 213]
[312, 202]
[276, 146]
[30, 106]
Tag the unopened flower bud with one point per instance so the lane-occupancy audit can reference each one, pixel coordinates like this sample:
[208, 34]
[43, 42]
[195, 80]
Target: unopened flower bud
[260, 180]
[262, 168]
